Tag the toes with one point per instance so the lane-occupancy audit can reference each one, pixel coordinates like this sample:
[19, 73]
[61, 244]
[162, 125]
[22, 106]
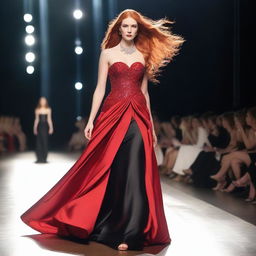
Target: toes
[123, 247]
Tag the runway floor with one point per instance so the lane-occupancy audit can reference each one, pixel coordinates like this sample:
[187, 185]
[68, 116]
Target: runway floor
[201, 222]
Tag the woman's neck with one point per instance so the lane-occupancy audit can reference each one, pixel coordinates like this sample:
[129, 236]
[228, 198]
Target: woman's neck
[125, 43]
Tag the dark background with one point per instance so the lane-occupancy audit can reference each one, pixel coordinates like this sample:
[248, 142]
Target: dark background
[199, 79]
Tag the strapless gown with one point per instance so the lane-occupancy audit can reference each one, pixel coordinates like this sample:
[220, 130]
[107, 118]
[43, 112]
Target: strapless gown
[112, 193]
[42, 139]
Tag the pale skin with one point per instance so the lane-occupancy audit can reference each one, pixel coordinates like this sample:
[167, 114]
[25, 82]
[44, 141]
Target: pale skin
[109, 56]
[128, 31]
[43, 110]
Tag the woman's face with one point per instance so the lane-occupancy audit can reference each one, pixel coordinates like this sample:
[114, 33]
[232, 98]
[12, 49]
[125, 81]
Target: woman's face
[43, 101]
[249, 119]
[195, 123]
[128, 28]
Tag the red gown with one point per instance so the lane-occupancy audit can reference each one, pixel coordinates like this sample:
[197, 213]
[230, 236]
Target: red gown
[70, 208]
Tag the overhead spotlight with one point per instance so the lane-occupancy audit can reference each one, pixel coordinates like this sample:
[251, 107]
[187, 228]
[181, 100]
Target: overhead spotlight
[29, 40]
[30, 29]
[30, 57]
[78, 85]
[78, 50]
[30, 69]
[78, 14]
[28, 17]
[78, 42]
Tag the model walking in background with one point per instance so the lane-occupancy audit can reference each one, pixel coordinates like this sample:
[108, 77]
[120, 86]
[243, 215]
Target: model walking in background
[42, 127]
[112, 194]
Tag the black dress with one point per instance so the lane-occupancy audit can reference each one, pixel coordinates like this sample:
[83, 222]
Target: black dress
[42, 139]
[206, 164]
[124, 212]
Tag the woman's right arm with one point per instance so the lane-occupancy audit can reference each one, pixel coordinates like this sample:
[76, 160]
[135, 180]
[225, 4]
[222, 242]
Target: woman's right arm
[99, 92]
[36, 122]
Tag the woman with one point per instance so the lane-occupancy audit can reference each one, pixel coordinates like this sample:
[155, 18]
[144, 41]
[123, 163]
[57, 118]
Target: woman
[249, 178]
[187, 154]
[206, 163]
[228, 122]
[112, 194]
[42, 127]
[172, 151]
[245, 141]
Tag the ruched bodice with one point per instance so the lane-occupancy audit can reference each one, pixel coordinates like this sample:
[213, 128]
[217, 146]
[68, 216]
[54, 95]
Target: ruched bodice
[125, 82]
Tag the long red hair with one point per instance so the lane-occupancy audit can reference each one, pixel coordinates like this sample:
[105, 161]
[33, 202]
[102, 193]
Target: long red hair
[154, 40]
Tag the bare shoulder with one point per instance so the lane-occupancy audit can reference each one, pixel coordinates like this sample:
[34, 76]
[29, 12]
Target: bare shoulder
[104, 55]
[107, 54]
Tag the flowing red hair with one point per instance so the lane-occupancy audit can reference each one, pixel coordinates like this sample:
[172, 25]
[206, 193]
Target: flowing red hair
[154, 40]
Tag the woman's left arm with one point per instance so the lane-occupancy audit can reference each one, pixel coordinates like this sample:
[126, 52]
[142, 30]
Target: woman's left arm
[49, 120]
[144, 89]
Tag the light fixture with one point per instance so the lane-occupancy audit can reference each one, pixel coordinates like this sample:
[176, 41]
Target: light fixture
[30, 29]
[78, 86]
[78, 50]
[30, 57]
[30, 69]
[28, 17]
[78, 14]
[29, 40]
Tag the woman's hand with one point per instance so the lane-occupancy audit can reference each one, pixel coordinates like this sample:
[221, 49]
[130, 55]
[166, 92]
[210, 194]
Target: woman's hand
[35, 131]
[154, 138]
[238, 125]
[51, 131]
[88, 130]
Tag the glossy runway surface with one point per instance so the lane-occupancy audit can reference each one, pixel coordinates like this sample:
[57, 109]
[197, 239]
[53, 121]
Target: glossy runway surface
[197, 228]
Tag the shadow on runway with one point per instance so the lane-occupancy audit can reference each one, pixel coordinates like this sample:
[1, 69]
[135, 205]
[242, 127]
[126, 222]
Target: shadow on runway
[91, 248]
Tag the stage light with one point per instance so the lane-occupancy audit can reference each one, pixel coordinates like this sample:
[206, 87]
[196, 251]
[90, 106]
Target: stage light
[78, 85]
[78, 42]
[30, 57]
[30, 29]
[78, 50]
[30, 69]
[78, 14]
[28, 17]
[29, 40]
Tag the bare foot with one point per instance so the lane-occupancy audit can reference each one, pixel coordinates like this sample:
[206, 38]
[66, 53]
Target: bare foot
[178, 178]
[188, 171]
[230, 187]
[122, 247]
[220, 185]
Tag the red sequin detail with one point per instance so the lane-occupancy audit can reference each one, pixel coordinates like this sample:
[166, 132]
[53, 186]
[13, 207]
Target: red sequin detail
[125, 83]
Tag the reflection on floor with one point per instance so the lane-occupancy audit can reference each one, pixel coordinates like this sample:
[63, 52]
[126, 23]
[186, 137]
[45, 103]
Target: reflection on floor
[199, 222]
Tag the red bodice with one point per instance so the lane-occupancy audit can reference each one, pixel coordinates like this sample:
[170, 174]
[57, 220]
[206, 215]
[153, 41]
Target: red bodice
[125, 82]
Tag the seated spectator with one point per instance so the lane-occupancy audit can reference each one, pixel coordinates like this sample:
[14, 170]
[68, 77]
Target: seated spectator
[78, 141]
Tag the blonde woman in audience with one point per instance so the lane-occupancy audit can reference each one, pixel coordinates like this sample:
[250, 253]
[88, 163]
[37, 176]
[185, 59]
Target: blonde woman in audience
[188, 137]
[187, 154]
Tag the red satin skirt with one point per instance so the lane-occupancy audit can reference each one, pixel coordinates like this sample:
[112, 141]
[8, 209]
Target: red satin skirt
[112, 193]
